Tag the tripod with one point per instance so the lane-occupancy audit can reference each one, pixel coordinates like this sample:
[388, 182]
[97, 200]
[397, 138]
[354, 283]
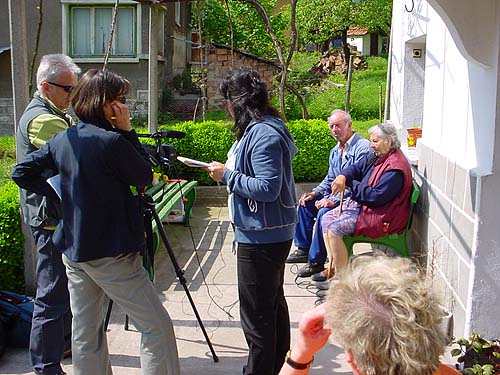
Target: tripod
[150, 210]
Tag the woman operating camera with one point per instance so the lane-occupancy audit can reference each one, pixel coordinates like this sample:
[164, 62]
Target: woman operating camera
[101, 233]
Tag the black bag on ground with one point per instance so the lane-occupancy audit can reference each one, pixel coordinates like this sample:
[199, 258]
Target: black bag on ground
[3, 334]
[17, 312]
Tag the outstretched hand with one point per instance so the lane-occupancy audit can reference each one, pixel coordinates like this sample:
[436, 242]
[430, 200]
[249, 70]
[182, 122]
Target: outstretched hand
[313, 332]
[313, 335]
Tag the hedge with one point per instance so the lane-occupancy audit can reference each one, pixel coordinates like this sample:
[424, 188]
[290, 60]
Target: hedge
[11, 240]
[205, 141]
[211, 140]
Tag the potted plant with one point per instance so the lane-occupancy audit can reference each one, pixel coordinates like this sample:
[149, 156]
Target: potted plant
[477, 356]
[414, 133]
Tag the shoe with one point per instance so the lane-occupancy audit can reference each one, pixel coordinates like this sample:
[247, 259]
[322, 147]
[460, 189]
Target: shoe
[321, 285]
[298, 256]
[320, 276]
[310, 269]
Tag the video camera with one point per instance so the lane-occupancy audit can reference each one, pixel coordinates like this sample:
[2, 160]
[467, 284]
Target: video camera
[160, 154]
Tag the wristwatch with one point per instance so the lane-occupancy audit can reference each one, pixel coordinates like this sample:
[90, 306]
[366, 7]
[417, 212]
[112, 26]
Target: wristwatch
[296, 365]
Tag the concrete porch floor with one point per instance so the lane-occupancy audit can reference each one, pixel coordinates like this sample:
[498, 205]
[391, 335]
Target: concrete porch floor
[210, 272]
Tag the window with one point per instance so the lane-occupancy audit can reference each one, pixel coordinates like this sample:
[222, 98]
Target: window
[90, 28]
[178, 13]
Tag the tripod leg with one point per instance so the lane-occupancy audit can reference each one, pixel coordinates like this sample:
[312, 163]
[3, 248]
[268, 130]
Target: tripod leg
[180, 274]
[108, 314]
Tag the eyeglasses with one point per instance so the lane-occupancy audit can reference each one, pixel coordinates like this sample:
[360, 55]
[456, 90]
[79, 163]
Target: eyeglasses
[68, 89]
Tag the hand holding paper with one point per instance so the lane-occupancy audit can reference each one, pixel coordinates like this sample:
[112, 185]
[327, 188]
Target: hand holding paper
[193, 163]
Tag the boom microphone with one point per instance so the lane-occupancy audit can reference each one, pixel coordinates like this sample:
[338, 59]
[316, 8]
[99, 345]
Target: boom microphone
[171, 134]
[164, 134]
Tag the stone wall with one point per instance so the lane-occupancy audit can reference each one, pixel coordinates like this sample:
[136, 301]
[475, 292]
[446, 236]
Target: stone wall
[220, 59]
[444, 224]
[6, 116]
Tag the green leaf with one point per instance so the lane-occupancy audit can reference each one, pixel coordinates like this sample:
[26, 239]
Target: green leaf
[488, 369]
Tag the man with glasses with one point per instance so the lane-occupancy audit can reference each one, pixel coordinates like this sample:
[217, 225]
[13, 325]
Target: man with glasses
[45, 116]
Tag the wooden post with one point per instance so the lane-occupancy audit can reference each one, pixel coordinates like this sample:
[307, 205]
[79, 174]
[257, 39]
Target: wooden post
[380, 102]
[349, 79]
[153, 68]
[20, 96]
[19, 57]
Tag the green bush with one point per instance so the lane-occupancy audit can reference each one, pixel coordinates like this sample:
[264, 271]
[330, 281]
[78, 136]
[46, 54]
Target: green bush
[205, 141]
[314, 143]
[211, 140]
[7, 157]
[11, 240]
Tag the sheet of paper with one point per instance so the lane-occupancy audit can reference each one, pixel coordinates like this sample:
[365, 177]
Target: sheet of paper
[192, 162]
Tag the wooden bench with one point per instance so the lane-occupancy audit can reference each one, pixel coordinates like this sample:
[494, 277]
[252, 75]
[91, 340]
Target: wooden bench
[397, 242]
[167, 195]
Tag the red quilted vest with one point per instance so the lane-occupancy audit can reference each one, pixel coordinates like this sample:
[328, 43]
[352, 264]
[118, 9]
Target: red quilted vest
[392, 217]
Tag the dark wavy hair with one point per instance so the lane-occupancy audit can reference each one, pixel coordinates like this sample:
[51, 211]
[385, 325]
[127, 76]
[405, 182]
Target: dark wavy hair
[247, 98]
[94, 89]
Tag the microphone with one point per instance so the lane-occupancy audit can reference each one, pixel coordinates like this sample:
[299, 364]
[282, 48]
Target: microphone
[171, 134]
[164, 134]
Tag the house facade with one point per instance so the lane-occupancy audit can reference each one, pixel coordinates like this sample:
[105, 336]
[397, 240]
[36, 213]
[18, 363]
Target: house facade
[81, 29]
[444, 77]
[368, 44]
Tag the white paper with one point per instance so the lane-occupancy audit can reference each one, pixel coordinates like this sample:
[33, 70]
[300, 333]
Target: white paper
[192, 162]
[55, 183]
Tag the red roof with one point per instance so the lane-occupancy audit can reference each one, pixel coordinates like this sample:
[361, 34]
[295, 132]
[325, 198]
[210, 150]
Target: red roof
[356, 31]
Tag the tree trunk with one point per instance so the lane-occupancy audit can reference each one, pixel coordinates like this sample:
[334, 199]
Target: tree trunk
[305, 114]
[345, 47]
[284, 63]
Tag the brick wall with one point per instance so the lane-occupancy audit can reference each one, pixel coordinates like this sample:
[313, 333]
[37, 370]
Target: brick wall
[220, 59]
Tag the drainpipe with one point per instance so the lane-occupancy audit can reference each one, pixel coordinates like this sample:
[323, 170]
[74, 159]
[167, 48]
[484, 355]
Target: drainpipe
[387, 106]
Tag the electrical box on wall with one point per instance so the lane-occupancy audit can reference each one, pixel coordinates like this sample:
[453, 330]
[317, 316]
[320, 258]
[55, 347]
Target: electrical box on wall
[417, 53]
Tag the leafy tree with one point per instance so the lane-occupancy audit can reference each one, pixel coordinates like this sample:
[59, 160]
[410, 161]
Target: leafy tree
[319, 21]
[239, 24]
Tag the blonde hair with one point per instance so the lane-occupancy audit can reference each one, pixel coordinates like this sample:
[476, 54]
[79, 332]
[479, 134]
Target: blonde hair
[384, 313]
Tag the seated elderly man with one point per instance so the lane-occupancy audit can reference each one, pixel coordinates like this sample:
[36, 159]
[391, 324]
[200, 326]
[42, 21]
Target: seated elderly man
[384, 314]
[379, 204]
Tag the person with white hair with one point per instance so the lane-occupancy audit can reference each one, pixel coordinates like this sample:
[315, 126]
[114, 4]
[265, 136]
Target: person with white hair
[44, 117]
[379, 204]
[384, 314]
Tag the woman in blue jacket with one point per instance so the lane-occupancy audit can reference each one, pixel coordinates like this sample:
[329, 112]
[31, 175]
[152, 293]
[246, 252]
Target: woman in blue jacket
[101, 233]
[262, 205]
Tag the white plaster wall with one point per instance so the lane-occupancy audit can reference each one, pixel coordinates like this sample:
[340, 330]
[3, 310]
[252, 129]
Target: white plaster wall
[414, 83]
[358, 42]
[458, 167]
[405, 27]
[461, 129]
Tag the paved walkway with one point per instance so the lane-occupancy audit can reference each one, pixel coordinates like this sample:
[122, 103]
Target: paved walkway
[211, 280]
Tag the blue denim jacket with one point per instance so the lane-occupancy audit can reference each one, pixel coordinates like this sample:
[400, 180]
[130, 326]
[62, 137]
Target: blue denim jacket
[359, 148]
[262, 184]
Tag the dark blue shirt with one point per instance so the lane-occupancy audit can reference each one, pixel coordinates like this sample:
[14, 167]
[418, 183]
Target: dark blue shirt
[385, 190]
[100, 216]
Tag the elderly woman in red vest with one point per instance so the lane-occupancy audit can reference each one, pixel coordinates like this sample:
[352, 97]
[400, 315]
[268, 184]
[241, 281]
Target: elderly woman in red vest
[379, 204]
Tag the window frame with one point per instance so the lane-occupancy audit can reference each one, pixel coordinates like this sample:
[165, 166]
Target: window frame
[177, 13]
[68, 5]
